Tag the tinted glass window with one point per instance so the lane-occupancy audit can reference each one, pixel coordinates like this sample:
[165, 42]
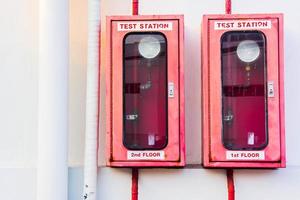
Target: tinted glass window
[145, 91]
[244, 78]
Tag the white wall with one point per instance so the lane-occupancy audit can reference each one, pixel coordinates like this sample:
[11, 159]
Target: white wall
[196, 182]
[18, 98]
[18, 83]
[77, 79]
[18, 108]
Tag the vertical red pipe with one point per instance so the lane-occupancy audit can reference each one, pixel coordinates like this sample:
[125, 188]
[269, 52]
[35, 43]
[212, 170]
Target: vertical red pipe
[135, 184]
[230, 184]
[135, 171]
[229, 172]
[135, 7]
[228, 6]
[135, 11]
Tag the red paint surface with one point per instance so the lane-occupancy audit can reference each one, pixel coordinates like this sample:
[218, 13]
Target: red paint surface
[135, 7]
[214, 152]
[135, 184]
[175, 149]
[228, 6]
[230, 184]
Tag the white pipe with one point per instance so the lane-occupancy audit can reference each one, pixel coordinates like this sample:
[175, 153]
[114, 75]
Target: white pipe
[52, 165]
[92, 98]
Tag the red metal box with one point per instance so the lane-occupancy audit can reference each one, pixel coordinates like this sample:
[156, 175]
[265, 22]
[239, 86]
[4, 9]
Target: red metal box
[145, 91]
[242, 91]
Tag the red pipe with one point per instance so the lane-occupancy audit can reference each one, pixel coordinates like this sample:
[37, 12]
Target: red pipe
[230, 184]
[229, 172]
[228, 6]
[135, 7]
[135, 184]
[135, 171]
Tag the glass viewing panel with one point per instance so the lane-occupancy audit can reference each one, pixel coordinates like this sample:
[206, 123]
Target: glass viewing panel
[145, 91]
[244, 86]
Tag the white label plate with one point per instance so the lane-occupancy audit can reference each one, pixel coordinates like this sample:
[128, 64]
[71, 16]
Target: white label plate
[145, 26]
[245, 155]
[171, 90]
[271, 92]
[145, 155]
[242, 24]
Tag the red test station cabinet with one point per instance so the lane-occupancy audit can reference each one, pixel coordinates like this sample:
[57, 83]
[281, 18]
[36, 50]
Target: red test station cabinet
[145, 91]
[242, 91]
